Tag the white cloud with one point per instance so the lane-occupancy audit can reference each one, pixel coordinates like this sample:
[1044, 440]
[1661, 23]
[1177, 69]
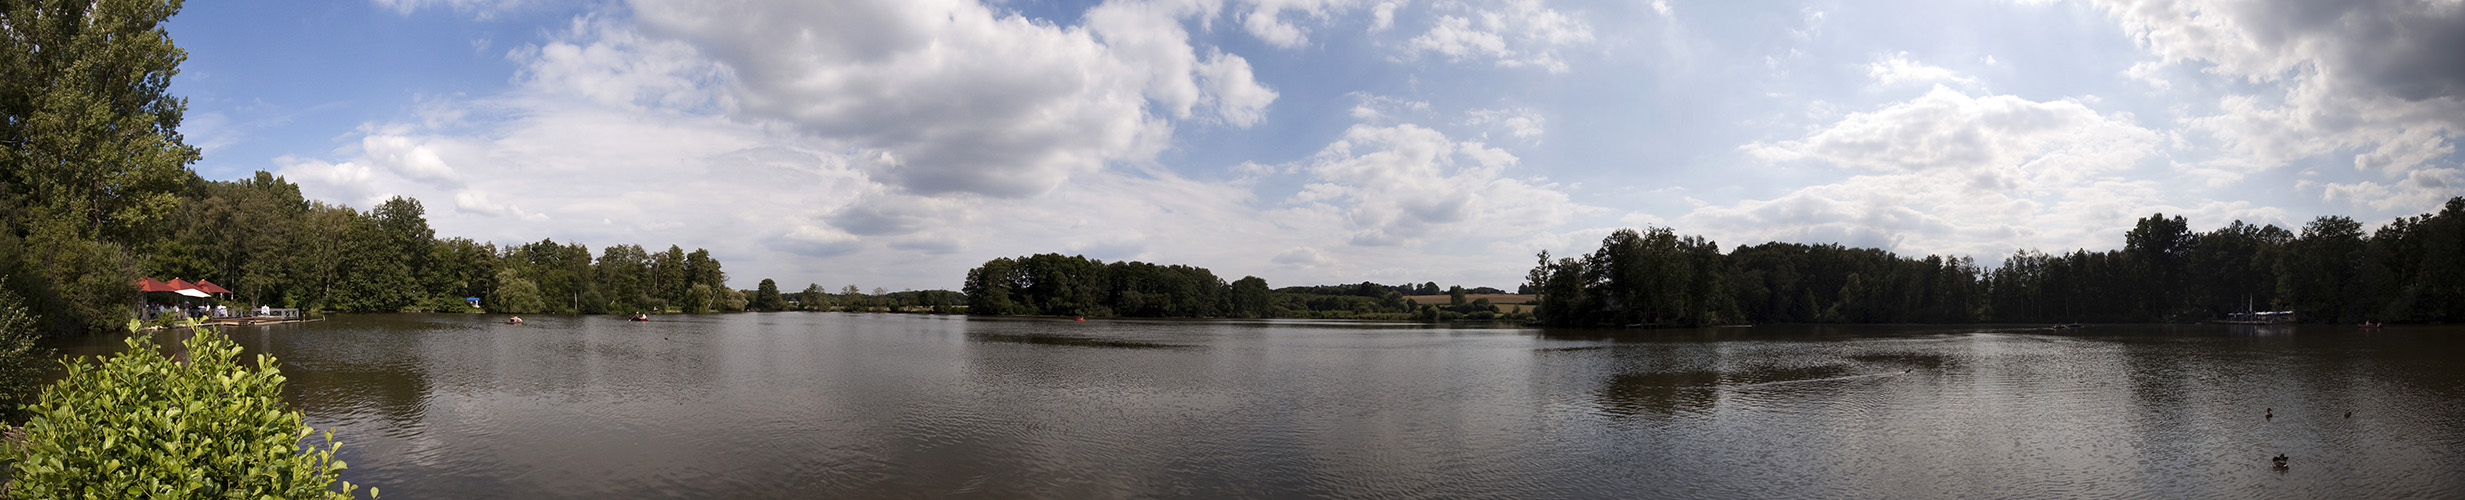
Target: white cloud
[479, 202]
[1372, 108]
[2331, 77]
[346, 180]
[1382, 16]
[2419, 189]
[1457, 39]
[1898, 68]
[1303, 257]
[1991, 137]
[1519, 122]
[1404, 184]
[482, 9]
[958, 98]
[1233, 93]
[1265, 19]
[408, 157]
[1954, 174]
[2146, 72]
[1517, 34]
[609, 64]
[641, 129]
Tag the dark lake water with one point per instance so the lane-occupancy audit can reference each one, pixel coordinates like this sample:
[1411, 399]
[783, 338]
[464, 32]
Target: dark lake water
[826, 405]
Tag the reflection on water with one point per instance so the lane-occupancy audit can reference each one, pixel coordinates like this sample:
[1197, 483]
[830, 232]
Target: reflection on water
[796, 405]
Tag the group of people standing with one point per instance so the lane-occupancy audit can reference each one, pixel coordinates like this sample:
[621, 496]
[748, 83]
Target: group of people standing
[201, 310]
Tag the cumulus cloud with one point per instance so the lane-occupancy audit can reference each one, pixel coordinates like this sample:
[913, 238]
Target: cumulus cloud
[409, 157]
[484, 203]
[2147, 72]
[1898, 68]
[1517, 34]
[1519, 122]
[482, 9]
[346, 180]
[897, 142]
[1302, 257]
[1951, 173]
[1382, 16]
[1372, 108]
[1993, 135]
[2379, 76]
[815, 241]
[1401, 184]
[1266, 19]
[609, 64]
[2420, 188]
[958, 98]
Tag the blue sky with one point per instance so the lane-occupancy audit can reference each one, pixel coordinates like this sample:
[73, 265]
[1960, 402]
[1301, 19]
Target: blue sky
[895, 144]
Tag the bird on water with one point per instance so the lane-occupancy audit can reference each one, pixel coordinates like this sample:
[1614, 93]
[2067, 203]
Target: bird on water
[2272, 414]
[2279, 461]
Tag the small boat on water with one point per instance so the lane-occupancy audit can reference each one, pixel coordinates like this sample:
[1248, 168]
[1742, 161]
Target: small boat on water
[513, 320]
[2369, 325]
[640, 317]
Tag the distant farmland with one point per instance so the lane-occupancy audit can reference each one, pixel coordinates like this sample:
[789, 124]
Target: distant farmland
[1506, 302]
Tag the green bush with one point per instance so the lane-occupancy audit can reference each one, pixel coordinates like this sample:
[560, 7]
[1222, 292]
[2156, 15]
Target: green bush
[21, 359]
[515, 295]
[141, 424]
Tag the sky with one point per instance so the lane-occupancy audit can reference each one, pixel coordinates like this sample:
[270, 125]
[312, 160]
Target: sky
[897, 143]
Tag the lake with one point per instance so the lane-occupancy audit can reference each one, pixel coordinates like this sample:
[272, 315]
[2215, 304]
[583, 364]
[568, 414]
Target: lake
[829, 405]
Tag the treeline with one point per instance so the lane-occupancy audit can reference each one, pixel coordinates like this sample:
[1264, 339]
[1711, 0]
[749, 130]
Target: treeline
[768, 297]
[2412, 270]
[270, 246]
[1058, 285]
[1062, 285]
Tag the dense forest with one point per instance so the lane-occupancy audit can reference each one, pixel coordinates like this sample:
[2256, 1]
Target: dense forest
[1060, 285]
[2411, 270]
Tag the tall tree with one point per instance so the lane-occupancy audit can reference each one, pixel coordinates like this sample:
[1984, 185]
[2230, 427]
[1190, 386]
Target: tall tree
[89, 131]
[2161, 246]
[1250, 298]
[91, 158]
[703, 270]
[2318, 276]
[668, 275]
[697, 299]
[402, 226]
[623, 273]
[766, 297]
[813, 298]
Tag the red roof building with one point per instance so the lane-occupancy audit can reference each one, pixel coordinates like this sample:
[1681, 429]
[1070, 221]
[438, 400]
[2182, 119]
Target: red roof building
[210, 287]
[150, 285]
[177, 285]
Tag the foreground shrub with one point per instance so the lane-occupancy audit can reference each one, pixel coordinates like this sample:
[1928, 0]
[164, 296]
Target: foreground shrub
[140, 424]
[21, 360]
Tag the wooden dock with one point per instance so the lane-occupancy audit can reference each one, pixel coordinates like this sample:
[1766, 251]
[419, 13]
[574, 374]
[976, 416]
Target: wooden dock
[259, 320]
